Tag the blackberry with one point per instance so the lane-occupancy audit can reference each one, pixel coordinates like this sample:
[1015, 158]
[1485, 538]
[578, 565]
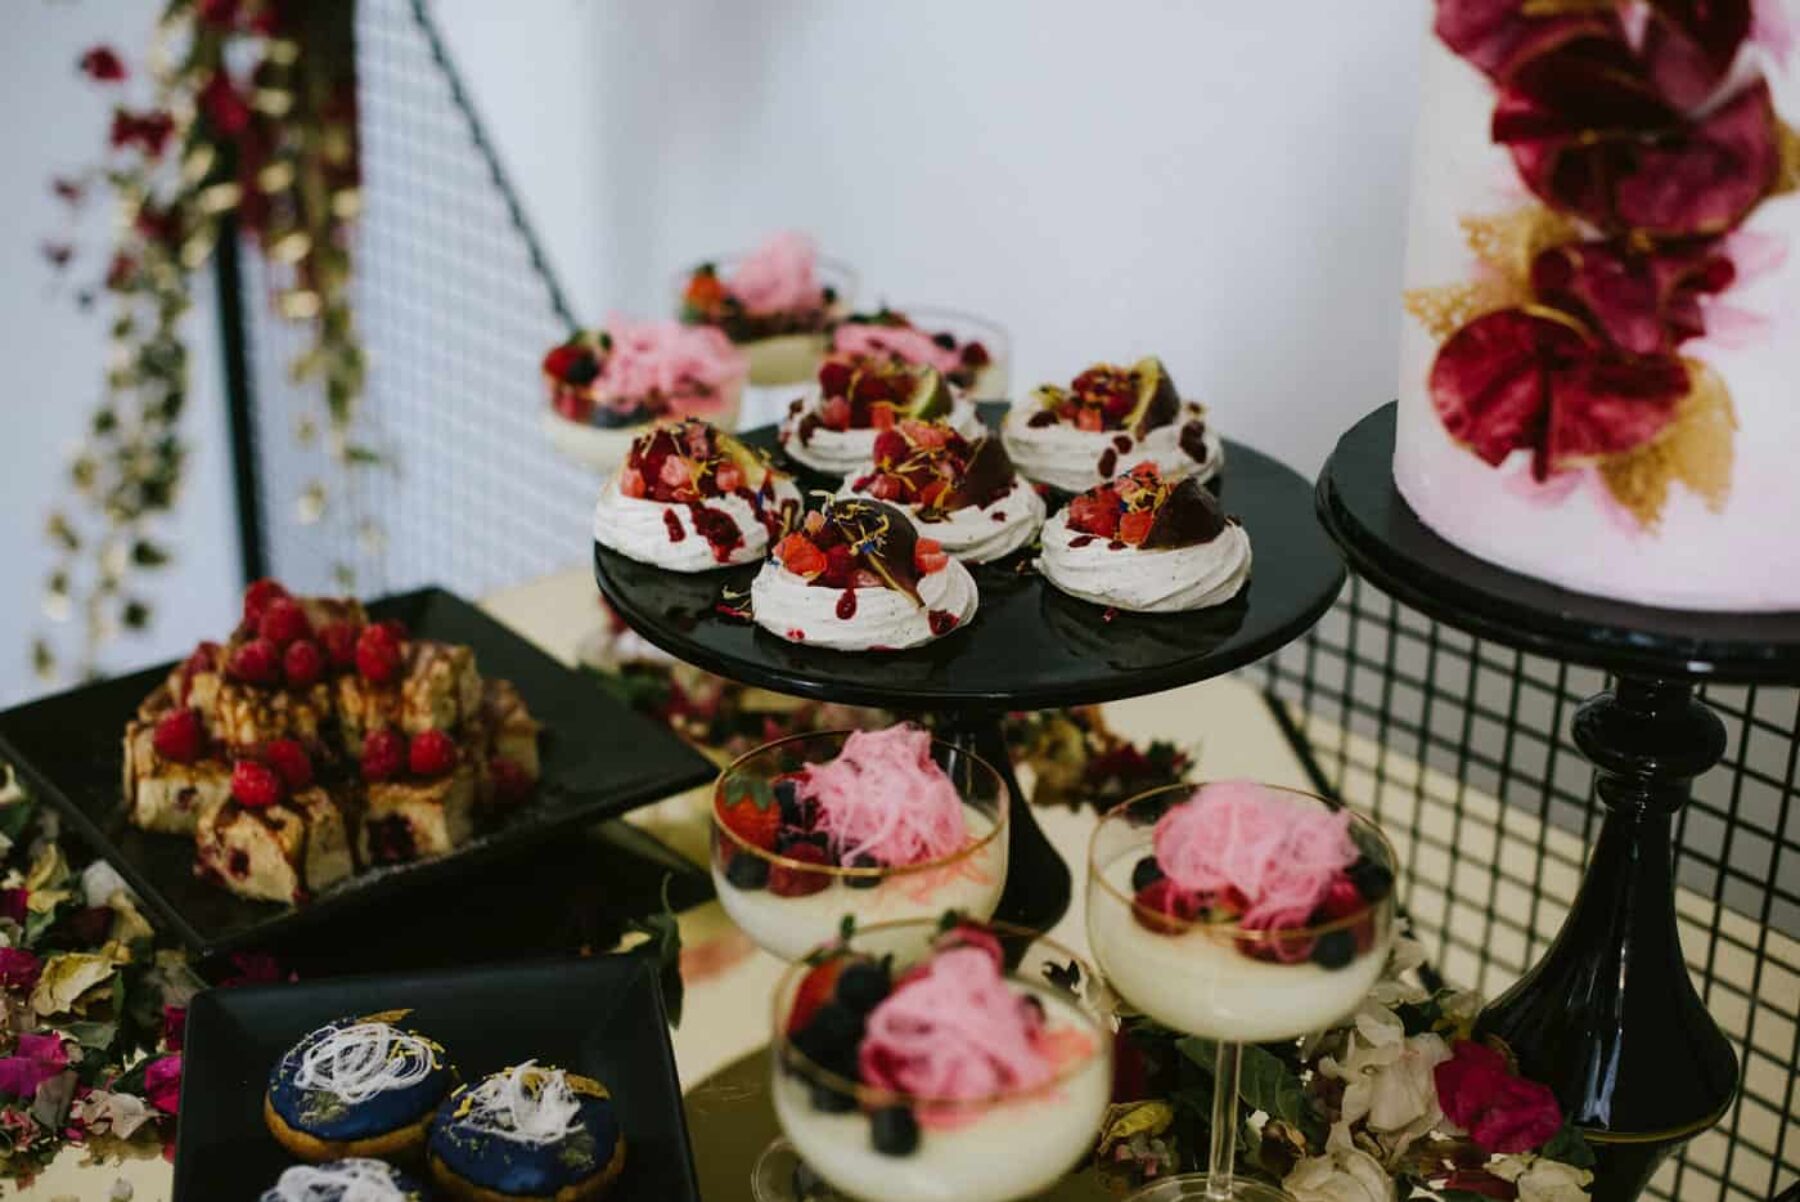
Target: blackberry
[894, 1131]
[1145, 874]
[1334, 949]
[863, 882]
[747, 871]
[1371, 880]
[862, 986]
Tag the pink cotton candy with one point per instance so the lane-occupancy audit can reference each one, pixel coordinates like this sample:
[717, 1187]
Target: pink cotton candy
[957, 1030]
[904, 342]
[668, 358]
[1280, 856]
[778, 277]
[885, 797]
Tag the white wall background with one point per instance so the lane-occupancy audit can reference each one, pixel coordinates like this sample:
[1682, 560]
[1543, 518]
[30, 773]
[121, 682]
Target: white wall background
[1222, 184]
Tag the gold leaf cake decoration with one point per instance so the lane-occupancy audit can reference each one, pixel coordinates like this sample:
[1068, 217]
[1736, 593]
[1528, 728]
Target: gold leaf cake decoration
[1508, 242]
[1787, 169]
[1694, 450]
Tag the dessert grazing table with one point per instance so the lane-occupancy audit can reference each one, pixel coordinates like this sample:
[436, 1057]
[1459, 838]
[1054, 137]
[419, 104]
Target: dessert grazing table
[1610, 1017]
[719, 1046]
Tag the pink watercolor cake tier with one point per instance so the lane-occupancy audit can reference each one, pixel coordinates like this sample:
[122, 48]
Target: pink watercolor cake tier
[857, 576]
[1597, 368]
[777, 304]
[963, 493]
[1239, 911]
[607, 385]
[912, 1066]
[970, 353]
[1108, 418]
[832, 426]
[872, 825]
[690, 498]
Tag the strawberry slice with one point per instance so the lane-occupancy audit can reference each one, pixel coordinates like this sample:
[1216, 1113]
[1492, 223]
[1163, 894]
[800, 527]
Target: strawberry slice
[752, 814]
[1095, 513]
[1134, 527]
[816, 988]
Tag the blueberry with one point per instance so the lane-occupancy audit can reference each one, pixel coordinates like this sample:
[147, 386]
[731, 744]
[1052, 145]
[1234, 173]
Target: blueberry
[947, 341]
[862, 986]
[894, 1131]
[863, 882]
[585, 370]
[831, 1101]
[1146, 874]
[1334, 949]
[835, 1027]
[747, 871]
[788, 798]
[1371, 880]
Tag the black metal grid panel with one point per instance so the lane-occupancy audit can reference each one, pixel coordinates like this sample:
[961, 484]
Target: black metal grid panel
[1461, 748]
[455, 305]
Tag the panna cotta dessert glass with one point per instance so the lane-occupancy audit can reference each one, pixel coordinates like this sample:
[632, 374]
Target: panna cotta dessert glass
[690, 497]
[608, 385]
[872, 826]
[1107, 419]
[937, 1060]
[832, 427]
[972, 353]
[1243, 913]
[962, 493]
[777, 304]
[857, 576]
[1146, 543]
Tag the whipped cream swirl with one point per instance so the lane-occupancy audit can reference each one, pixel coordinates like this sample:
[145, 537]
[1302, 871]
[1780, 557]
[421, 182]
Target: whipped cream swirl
[1157, 581]
[1075, 460]
[838, 452]
[785, 604]
[975, 533]
[666, 535]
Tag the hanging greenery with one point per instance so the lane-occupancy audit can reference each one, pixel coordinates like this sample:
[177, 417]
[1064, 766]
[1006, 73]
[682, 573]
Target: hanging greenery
[241, 121]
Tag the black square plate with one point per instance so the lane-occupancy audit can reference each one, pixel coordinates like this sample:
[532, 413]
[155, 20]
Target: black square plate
[600, 759]
[600, 1017]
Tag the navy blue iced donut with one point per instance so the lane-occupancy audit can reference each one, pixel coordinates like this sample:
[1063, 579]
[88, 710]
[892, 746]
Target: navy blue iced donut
[527, 1133]
[357, 1087]
[333, 1181]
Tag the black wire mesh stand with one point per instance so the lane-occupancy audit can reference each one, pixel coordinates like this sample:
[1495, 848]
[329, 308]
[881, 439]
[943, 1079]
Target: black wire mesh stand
[1609, 1017]
[1028, 647]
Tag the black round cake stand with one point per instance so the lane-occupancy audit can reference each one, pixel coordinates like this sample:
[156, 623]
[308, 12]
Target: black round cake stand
[1028, 647]
[1609, 1017]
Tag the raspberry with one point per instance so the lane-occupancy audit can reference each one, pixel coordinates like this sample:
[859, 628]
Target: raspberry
[290, 761]
[303, 663]
[786, 881]
[256, 662]
[560, 358]
[377, 654]
[383, 755]
[834, 378]
[257, 598]
[396, 629]
[511, 783]
[179, 736]
[1163, 907]
[283, 621]
[339, 641]
[256, 784]
[890, 447]
[432, 753]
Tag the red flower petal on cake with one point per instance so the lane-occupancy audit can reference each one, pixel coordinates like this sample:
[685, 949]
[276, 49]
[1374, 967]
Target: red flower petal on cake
[1518, 379]
[1497, 35]
[1643, 302]
[1705, 182]
[1689, 45]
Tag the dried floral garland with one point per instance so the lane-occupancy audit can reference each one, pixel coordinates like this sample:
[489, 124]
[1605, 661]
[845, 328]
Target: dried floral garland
[247, 125]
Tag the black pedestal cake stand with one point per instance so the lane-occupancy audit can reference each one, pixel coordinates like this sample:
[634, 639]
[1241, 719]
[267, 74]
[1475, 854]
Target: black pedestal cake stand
[1028, 647]
[1609, 1017]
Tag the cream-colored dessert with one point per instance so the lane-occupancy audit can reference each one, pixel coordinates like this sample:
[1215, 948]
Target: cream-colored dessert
[833, 427]
[167, 794]
[1146, 544]
[776, 304]
[857, 577]
[961, 493]
[1197, 981]
[791, 926]
[993, 1153]
[284, 852]
[408, 820]
[690, 498]
[1108, 420]
[608, 386]
[436, 687]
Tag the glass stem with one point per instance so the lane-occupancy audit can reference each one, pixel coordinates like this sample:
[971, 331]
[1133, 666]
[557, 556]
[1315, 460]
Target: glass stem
[1224, 1121]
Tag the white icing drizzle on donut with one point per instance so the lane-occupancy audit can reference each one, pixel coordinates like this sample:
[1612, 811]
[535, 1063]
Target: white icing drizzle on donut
[527, 1104]
[352, 1180]
[356, 1062]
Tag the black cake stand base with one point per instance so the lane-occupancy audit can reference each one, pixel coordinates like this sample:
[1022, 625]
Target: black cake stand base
[1029, 647]
[1609, 1017]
